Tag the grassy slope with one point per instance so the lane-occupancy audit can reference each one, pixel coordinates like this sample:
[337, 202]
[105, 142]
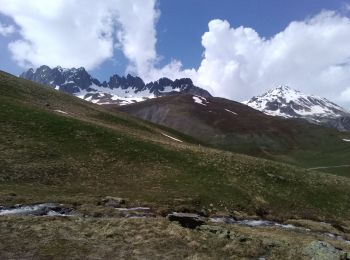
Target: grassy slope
[89, 153]
[249, 132]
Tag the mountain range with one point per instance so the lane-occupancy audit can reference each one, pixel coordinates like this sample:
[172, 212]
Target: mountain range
[117, 90]
[282, 101]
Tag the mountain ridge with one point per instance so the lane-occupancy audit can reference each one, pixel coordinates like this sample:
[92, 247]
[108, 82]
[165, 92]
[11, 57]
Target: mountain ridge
[233, 126]
[117, 90]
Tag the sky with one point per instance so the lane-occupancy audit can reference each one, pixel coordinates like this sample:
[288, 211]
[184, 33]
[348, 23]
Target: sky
[233, 48]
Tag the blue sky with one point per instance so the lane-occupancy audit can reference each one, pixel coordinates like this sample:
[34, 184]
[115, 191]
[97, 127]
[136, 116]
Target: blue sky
[183, 22]
[58, 32]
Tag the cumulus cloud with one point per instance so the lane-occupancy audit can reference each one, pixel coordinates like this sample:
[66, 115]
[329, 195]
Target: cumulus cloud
[6, 30]
[74, 33]
[311, 55]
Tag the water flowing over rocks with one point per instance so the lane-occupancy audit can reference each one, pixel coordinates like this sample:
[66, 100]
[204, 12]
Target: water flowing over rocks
[45, 209]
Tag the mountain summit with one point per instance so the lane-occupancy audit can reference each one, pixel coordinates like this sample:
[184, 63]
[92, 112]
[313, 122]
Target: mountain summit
[118, 90]
[286, 102]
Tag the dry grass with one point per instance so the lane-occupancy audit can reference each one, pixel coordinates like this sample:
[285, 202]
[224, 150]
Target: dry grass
[58, 238]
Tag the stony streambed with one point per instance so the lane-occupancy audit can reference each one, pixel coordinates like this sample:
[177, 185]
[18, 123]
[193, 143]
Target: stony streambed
[266, 223]
[187, 220]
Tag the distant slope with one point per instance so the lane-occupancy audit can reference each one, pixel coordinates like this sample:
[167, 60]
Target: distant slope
[57, 148]
[117, 90]
[235, 127]
[289, 103]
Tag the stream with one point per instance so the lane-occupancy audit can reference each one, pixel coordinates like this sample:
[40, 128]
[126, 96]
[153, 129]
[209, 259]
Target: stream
[53, 209]
[266, 223]
[44, 209]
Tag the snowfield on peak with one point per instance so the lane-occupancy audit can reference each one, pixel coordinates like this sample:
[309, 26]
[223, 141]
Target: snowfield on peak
[286, 102]
[103, 95]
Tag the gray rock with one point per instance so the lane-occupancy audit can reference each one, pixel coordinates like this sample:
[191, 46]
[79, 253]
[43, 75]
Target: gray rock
[187, 220]
[320, 250]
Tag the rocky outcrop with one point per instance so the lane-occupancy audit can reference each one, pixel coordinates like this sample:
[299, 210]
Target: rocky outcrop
[319, 250]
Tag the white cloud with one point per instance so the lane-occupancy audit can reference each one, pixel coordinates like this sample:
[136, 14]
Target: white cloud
[6, 30]
[311, 55]
[74, 33]
[138, 34]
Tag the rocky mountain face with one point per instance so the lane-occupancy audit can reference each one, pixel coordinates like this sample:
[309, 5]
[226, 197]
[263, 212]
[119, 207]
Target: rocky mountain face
[289, 103]
[117, 90]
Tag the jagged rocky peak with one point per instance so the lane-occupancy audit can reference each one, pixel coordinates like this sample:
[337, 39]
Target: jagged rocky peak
[286, 102]
[118, 90]
[68, 80]
[129, 81]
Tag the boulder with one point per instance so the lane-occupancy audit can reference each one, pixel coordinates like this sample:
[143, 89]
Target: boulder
[187, 220]
[320, 250]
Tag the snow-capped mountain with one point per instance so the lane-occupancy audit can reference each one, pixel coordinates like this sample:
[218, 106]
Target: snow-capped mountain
[289, 103]
[118, 90]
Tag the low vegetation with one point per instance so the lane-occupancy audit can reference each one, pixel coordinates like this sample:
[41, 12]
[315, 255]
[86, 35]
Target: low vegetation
[86, 153]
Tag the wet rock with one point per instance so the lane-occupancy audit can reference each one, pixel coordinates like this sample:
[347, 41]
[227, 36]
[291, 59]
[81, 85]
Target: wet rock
[60, 210]
[113, 202]
[187, 220]
[47, 209]
[323, 251]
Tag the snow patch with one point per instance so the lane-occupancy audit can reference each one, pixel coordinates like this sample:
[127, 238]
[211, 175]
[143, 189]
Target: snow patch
[105, 95]
[231, 112]
[133, 209]
[173, 138]
[168, 89]
[346, 140]
[60, 111]
[200, 100]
